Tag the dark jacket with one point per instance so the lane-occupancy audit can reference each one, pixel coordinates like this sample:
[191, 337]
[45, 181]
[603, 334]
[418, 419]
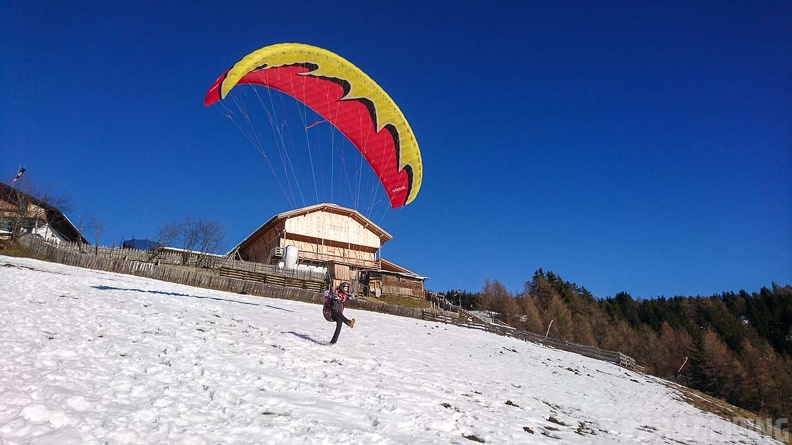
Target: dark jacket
[337, 299]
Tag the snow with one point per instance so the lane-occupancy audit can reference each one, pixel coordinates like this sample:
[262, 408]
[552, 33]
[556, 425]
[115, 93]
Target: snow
[90, 357]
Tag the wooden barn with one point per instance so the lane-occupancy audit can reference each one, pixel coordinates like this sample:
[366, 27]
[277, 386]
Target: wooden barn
[335, 240]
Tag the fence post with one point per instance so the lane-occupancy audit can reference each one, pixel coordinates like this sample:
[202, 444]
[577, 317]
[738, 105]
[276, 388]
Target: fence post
[548, 328]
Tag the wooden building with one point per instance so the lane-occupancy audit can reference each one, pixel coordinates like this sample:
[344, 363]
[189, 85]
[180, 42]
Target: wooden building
[392, 279]
[21, 213]
[330, 239]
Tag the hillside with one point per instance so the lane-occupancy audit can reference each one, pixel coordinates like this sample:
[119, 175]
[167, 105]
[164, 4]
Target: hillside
[92, 357]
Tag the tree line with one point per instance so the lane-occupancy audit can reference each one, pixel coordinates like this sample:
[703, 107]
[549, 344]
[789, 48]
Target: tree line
[735, 346]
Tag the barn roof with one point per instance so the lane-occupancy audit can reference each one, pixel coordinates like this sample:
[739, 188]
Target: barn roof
[393, 268]
[57, 220]
[326, 207]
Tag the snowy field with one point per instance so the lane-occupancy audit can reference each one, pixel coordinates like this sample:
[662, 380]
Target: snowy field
[90, 357]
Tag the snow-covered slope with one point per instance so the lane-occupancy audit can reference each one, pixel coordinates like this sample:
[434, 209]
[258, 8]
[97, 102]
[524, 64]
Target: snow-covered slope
[90, 357]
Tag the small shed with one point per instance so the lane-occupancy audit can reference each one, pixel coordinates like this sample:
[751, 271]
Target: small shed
[392, 279]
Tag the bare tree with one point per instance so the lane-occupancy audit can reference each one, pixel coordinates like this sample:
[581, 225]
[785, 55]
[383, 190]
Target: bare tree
[189, 237]
[26, 208]
[80, 225]
[97, 227]
[49, 196]
[168, 234]
[211, 236]
[195, 236]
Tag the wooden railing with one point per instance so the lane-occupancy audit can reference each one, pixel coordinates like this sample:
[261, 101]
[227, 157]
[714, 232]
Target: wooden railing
[272, 278]
[585, 350]
[277, 252]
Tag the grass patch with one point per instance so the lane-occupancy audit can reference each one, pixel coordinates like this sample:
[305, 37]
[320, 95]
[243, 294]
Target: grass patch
[10, 248]
[731, 413]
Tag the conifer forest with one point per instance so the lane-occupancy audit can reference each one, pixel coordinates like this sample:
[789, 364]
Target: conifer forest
[735, 346]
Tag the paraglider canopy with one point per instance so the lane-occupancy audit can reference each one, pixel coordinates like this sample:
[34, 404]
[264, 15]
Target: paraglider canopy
[346, 97]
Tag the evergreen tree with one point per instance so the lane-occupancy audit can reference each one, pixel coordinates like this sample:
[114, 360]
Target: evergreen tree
[530, 318]
[464, 299]
[559, 314]
[496, 298]
[721, 371]
[626, 309]
[770, 313]
[758, 383]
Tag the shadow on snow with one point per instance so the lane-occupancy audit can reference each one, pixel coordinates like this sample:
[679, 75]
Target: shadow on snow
[176, 294]
[305, 337]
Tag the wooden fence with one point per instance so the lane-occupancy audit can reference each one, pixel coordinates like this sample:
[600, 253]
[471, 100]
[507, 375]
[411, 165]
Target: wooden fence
[384, 308]
[177, 258]
[290, 287]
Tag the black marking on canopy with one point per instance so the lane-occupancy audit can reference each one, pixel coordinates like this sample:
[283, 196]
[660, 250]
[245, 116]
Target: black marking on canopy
[397, 148]
[346, 87]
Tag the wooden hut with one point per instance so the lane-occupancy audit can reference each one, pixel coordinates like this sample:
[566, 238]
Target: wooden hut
[392, 279]
[336, 240]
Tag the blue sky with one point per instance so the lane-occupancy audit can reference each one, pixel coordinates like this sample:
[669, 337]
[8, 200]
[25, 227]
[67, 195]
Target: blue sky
[627, 147]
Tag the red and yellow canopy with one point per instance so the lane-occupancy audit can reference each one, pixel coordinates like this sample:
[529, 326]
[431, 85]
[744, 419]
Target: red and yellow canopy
[346, 97]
